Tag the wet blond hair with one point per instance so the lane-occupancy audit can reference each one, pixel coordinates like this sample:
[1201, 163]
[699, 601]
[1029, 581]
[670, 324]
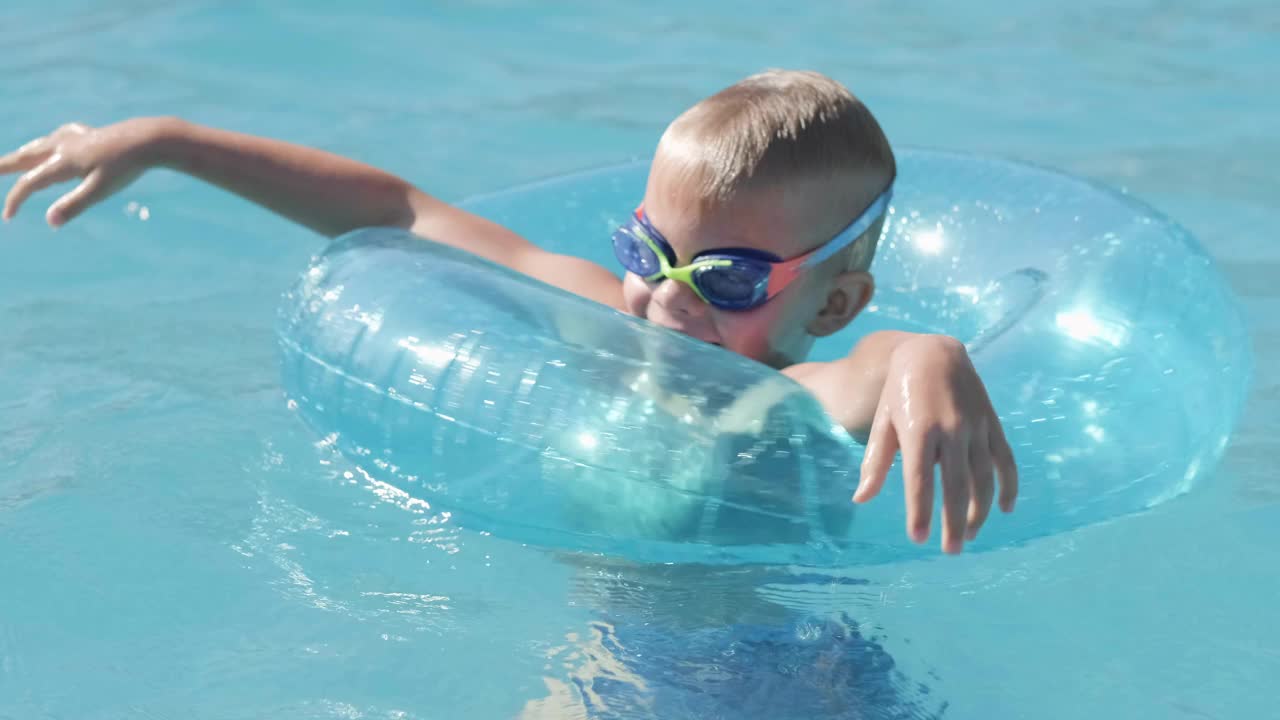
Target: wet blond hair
[776, 126]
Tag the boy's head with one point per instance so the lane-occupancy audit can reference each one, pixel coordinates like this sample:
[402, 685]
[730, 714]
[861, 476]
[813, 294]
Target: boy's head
[779, 163]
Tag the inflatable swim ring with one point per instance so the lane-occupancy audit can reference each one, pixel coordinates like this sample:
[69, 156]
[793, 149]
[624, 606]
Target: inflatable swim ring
[1112, 348]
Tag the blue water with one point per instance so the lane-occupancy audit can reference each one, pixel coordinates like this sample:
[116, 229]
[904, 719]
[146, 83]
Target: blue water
[173, 542]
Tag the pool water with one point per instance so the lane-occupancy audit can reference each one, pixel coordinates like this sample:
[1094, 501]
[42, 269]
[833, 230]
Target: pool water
[174, 542]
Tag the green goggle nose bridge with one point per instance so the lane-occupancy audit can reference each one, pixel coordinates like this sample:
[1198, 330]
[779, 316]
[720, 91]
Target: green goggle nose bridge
[683, 274]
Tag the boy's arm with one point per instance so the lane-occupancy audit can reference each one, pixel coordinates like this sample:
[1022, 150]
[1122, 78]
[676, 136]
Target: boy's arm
[325, 192]
[920, 394]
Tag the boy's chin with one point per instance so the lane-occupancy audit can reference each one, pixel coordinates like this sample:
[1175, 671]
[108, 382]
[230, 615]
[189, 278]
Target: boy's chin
[760, 355]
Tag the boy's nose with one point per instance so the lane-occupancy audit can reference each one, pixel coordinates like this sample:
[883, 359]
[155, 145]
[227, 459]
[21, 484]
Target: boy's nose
[679, 299]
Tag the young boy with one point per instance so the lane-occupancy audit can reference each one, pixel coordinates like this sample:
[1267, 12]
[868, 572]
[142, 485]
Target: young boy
[763, 208]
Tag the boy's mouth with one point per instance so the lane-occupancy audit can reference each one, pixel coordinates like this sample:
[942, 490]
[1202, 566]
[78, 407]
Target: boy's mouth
[695, 336]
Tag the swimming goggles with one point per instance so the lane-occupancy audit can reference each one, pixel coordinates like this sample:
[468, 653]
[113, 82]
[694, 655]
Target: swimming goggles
[731, 278]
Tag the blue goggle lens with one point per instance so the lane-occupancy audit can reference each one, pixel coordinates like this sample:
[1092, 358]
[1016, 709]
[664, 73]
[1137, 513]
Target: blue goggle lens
[635, 254]
[739, 286]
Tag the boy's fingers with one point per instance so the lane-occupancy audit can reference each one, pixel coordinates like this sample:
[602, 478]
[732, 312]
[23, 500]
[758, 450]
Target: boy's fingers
[917, 479]
[77, 201]
[25, 157]
[956, 492]
[882, 446]
[983, 487]
[50, 171]
[1007, 467]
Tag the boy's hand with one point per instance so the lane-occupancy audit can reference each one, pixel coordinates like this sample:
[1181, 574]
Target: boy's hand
[935, 409]
[107, 159]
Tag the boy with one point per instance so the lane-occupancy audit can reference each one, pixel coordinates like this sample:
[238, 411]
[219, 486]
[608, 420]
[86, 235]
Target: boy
[758, 225]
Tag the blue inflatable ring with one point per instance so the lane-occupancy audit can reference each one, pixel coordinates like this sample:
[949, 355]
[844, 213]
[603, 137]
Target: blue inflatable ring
[1112, 348]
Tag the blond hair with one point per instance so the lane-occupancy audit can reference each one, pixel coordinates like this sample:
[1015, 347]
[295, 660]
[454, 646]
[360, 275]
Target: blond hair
[776, 125]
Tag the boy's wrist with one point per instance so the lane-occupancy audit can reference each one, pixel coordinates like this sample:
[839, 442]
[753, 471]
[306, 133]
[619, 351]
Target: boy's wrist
[163, 141]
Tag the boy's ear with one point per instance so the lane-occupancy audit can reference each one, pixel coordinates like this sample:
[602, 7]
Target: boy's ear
[849, 294]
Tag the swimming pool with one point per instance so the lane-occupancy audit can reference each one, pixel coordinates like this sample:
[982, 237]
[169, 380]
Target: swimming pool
[172, 540]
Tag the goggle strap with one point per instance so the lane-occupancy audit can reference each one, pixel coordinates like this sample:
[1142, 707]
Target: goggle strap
[860, 225]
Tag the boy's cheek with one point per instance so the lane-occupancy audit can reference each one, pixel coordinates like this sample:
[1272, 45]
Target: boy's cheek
[748, 334]
[635, 295]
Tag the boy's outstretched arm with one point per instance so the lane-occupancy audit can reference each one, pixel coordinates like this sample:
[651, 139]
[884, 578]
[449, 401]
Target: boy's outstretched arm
[325, 192]
[920, 394]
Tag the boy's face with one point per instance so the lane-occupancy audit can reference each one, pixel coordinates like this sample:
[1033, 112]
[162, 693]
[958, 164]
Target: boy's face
[784, 219]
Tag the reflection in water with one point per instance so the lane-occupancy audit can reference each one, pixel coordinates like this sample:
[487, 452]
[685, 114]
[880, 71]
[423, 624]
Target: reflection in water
[693, 642]
[302, 534]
